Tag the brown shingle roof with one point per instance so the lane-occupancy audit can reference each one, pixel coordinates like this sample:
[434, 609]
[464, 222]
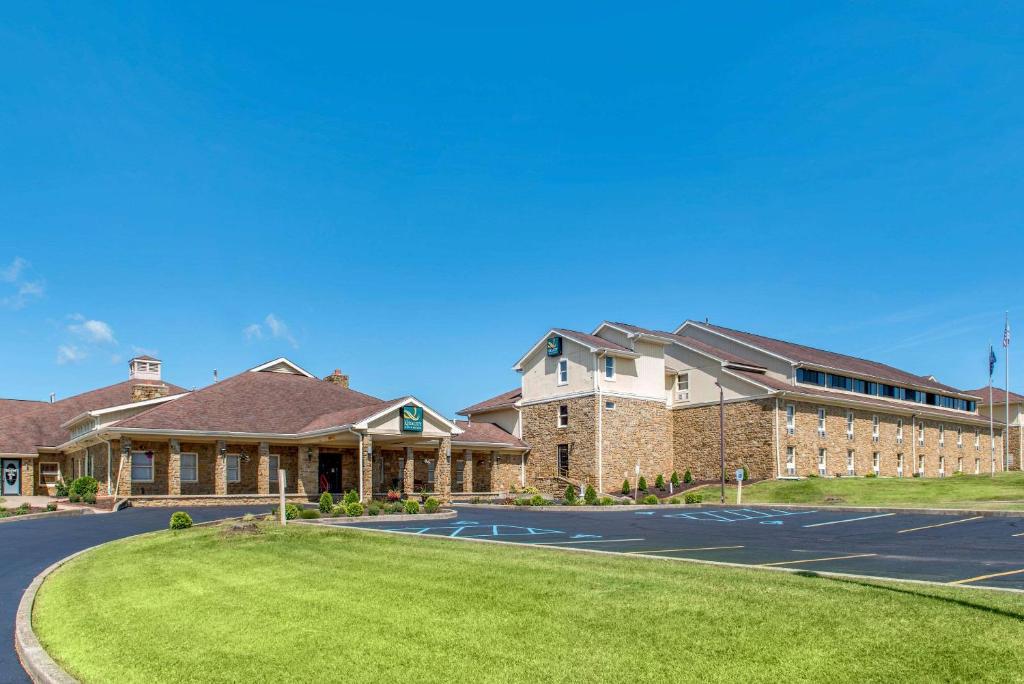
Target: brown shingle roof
[699, 345]
[41, 426]
[590, 340]
[819, 357]
[259, 402]
[998, 396]
[14, 407]
[486, 433]
[503, 400]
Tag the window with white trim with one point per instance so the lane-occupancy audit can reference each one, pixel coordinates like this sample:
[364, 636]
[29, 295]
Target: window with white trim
[960, 464]
[942, 434]
[790, 419]
[822, 461]
[920, 464]
[977, 438]
[142, 466]
[876, 462]
[790, 460]
[189, 470]
[851, 468]
[563, 371]
[960, 436]
[899, 431]
[849, 424]
[977, 466]
[563, 416]
[431, 464]
[610, 405]
[683, 387]
[942, 466]
[274, 463]
[874, 428]
[899, 465]
[49, 472]
[920, 433]
[821, 421]
[609, 368]
[233, 465]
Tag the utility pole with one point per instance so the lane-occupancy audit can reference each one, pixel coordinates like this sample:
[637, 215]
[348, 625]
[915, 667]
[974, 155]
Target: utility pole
[721, 435]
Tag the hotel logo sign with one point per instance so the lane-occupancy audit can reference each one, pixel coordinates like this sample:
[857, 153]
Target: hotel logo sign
[412, 418]
[554, 346]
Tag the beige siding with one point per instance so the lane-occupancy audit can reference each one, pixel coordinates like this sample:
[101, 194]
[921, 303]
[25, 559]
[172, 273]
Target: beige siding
[642, 377]
[540, 378]
[776, 367]
[703, 372]
[390, 422]
[507, 419]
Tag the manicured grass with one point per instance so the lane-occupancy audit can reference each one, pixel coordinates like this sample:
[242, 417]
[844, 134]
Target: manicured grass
[1004, 491]
[308, 604]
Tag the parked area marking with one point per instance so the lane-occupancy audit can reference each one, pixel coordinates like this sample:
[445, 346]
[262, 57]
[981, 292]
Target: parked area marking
[735, 515]
[985, 577]
[951, 522]
[588, 541]
[846, 520]
[1019, 534]
[828, 558]
[692, 548]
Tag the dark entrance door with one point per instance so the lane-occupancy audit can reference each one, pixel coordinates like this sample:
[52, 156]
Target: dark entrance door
[330, 473]
[10, 471]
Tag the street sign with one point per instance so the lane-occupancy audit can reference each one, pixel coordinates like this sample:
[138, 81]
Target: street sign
[739, 475]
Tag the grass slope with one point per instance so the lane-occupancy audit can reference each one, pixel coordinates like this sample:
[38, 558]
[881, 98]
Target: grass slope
[1004, 491]
[307, 604]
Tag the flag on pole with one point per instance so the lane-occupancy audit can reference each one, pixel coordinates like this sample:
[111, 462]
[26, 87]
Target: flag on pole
[1006, 332]
[991, 361]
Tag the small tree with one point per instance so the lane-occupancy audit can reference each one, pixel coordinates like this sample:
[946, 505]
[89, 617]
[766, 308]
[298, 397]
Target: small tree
[746, 475]
[625, 487]
[642, 484]
[326, 503]
[674, 479]
[659, 481]
[590, 495]
[570, 494]
[687, 477]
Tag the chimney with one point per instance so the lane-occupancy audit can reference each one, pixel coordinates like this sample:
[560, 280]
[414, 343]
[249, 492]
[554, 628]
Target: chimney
[144, 379]
[338, 379]
[53, 397]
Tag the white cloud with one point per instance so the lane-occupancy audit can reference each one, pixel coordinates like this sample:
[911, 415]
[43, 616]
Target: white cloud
[275, 328]
[24, 290]
[10, 274]
[69, 353]
[92, 330]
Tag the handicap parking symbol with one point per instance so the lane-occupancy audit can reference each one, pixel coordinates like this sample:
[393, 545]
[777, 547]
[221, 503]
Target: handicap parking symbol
[771, 522]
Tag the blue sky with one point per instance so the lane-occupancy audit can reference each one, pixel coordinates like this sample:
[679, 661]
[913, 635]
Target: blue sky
[414, 194]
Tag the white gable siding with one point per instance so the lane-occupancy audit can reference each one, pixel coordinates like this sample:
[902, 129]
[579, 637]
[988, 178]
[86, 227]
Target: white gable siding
[390, 423]
[703, 373]
[506, 418]
[540, 376]
[642, 377]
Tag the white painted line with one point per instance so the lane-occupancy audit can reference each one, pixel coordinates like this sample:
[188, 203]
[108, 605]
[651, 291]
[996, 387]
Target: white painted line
[695, 548]
[846, 520]
[952, 522]
[1019, 534]
[815, 560]
[583, 541]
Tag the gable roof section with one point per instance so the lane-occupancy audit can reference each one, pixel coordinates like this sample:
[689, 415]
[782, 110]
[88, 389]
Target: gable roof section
[998, 396]
[14, 407]
[591, 342]
[811, 356]
[485, 434]
[691, 343]
[504, 400]
[258, 402]
[23, 433]
[281, 365]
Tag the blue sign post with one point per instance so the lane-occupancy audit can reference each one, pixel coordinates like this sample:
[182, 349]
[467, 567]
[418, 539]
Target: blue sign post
[412, 418]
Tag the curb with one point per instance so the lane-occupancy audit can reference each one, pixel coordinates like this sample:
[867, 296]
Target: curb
[988, 513]
[62, 513]
[388, 517]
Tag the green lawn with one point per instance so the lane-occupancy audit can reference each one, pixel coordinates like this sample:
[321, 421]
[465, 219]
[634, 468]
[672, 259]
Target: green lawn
[308, 604]
[1004, 491]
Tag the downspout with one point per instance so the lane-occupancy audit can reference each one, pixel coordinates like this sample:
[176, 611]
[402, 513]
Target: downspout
[600, 425]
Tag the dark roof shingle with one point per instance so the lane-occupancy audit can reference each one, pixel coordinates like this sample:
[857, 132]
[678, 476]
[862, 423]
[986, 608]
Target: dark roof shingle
[503, 400]
[486, 433]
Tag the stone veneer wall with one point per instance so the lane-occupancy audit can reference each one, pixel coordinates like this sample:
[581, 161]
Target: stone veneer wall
[635, 430]
[748, 439]
[144, 392]
[541, 432]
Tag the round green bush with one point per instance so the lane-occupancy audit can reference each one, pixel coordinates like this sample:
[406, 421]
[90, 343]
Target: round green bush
[354, 509]
[326, 503]
[675, 500]
[431, 504]
[89, 498]
[537, 500]
[180, 520]
[412, 507]
[352, 496]
[61, 488]
[590, 495]
[693, 498]
[74, 498]
[570, 494]
[649, 499]
[338, 509]
[625, 487]
[309, 514]
[291, 512]
[373, 508]
[83, 486]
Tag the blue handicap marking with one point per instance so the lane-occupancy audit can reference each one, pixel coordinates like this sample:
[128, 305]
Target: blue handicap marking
[771, 522]
[644, 513]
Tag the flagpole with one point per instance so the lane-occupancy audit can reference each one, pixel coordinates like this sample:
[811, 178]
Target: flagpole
[1006, 398]
[991, 412]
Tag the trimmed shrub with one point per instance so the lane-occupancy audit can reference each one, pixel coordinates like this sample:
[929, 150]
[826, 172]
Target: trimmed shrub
[570, 494]
[412, 507]
[84, 485]
[291, 512]
[693, 498]
[61, 488]
[89, 499]
[51, 507]
[659, 481]
[687, 477]
[354, 509]
[338, 509]
[675, 500]
[22, 509]
[352, 496]
[373, 508]
[326, 503]
[606, 501]
[590, 495]
[393, 507]
[811, 475]
[674, 479]
[74, 498]
[649, 499]
[309, 514]
[431, 504]
[642, 484]
[538, 500]
[625, 502]
[625, 487]
[872, 474]
[180, 520]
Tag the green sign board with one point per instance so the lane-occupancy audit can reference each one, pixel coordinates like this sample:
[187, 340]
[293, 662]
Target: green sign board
[554, 346]
[412, 418]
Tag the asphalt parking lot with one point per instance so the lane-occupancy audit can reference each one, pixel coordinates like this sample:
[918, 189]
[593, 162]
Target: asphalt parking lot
[961, 549]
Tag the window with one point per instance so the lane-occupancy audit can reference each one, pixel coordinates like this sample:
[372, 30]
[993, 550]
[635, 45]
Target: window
[790, 461]
[920, 464]
[430, 475]
[977, 438]
[822, 461]
[683, 387]
[899, 465]
[960, 436]
[977, 466]
[874, 428]
[942, 434]
[610, 405]
[189, 467]
[850, 462]
[49, 473]
[563, 371]
[275, 465]
[234, 469]
[821, 422]
[960, 464]
[920, 433]
[810, 377]
[142, 466]
[609, 368]
[876, 462]
[849, 424]
[460, 474]
[899, 431]
[88, 465]
[563, 460]
[563, 416]
[942, 466]
[790, 419]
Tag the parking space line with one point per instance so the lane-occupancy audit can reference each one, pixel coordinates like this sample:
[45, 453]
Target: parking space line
[693, 548]
[1019, 534]
[815, 560]
[985, 577]
[585, 541]
[846, 520]
[951, 522]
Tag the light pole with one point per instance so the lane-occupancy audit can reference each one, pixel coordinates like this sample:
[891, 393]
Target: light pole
[721, 434]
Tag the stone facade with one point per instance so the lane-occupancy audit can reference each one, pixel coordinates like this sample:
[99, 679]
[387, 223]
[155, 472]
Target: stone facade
[748, 440]
[542, 433]
[145, 392]
[635, 431]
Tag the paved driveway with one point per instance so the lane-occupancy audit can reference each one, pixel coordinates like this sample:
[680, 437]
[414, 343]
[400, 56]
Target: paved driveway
[29, 546]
